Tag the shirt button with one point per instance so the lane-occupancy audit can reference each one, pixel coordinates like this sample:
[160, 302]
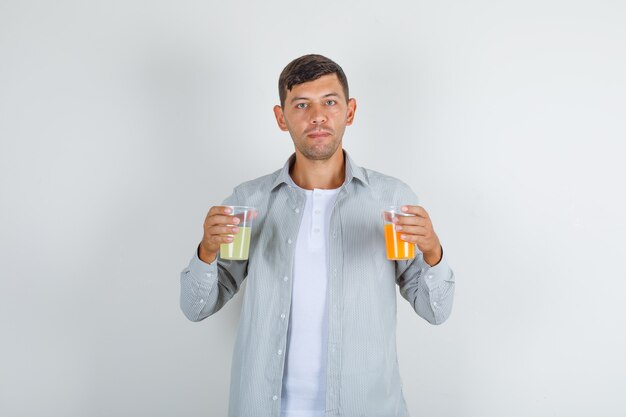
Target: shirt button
[201, 300]
[429, 277]
[316, 230]
[285, 278]
[289, 241]
[435, 304]
[280, 351]
[208, 274]
[317, 211]
[297, 210]
[275, 397]
[282, 316]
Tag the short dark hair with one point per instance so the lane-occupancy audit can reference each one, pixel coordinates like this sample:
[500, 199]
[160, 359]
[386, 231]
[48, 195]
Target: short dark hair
[309, 68]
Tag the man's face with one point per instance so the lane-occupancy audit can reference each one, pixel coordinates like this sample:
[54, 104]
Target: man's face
[316, 114]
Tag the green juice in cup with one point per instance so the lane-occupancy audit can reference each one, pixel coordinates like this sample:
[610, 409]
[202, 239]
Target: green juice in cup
[238, 249]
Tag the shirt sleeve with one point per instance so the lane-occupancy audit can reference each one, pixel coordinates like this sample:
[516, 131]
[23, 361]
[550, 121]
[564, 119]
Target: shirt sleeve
[206, 288]
[429, 289]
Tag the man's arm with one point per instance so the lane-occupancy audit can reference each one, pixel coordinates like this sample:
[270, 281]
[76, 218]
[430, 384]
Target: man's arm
[429, 290]
[206, 288]
[427, 281]
[208, 283]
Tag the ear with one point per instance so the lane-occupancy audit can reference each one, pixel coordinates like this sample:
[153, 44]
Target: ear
[280, 118]
[351, 111]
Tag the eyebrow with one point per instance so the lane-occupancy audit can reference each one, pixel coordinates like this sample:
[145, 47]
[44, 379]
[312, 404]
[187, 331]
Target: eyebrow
[306, 98]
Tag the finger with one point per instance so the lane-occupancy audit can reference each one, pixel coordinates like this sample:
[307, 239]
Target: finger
[420, 241]
[409, 238]
[422, 234]
[219, 210]
[216, 211]
[219, 239]
[221, 219]
[413, 230]
[417, 210]
[222, 230]
[411, 221]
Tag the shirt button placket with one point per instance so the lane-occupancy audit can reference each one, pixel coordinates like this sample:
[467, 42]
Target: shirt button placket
[335, 335]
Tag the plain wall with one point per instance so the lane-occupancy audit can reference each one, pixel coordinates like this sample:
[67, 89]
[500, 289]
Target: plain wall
[122, 122]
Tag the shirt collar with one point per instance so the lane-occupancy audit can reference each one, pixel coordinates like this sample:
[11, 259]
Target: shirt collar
[352, 171]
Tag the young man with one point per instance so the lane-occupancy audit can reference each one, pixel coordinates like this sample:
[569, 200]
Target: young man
[317, 328]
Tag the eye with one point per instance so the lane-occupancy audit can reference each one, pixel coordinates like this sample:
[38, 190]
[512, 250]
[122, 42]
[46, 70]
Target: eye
[301, 105]
[331, 102]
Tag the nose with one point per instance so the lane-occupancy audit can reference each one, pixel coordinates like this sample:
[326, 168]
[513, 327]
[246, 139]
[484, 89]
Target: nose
[317, 115]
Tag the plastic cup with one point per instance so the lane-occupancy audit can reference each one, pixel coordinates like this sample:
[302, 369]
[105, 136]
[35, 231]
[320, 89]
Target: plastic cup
[237, 250]
[397, 249]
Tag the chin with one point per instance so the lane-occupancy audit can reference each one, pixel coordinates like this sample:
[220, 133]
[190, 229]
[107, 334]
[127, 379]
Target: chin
[319, 156]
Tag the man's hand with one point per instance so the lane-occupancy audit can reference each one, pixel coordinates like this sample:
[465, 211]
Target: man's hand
[219, 228]
[418, 229]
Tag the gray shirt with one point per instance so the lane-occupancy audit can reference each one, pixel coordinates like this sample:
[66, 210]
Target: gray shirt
[362, 370]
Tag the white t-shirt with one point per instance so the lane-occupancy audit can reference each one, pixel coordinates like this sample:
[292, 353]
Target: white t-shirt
[304, 379]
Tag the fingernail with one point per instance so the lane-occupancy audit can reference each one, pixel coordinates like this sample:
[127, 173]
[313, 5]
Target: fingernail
[405, 208]
[398, 227]
[236, 220]
[402, 236]
[227, 210]
[235, 230]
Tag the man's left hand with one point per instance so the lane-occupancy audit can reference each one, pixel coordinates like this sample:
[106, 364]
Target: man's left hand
[418, 229]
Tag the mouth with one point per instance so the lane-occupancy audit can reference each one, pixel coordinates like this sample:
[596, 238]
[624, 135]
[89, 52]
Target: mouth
[318, 134]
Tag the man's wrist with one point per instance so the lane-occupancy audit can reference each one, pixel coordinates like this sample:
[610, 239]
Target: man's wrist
[434, 257]
[206, 257]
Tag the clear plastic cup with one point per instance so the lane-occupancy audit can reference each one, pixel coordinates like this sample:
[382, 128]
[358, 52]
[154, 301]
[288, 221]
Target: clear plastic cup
[238, 249]
[397, 249]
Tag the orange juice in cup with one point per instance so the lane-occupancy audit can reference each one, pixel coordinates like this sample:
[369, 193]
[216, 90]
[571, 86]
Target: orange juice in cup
[397, 249]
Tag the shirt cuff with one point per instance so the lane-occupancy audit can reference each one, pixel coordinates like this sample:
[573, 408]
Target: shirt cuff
[434, 276]
[201, 270]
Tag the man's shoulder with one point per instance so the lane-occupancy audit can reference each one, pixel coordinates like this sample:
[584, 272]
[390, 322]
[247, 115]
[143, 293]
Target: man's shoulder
[378, 179]
[262, 183]
[388, 188]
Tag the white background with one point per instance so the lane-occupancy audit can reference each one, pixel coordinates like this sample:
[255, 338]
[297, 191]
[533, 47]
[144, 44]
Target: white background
[122, 122]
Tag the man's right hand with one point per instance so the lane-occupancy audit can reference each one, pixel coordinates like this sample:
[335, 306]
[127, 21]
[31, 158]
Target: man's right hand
[219, 227]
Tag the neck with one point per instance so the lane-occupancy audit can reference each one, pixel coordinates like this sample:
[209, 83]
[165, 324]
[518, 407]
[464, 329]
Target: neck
[326, 174]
